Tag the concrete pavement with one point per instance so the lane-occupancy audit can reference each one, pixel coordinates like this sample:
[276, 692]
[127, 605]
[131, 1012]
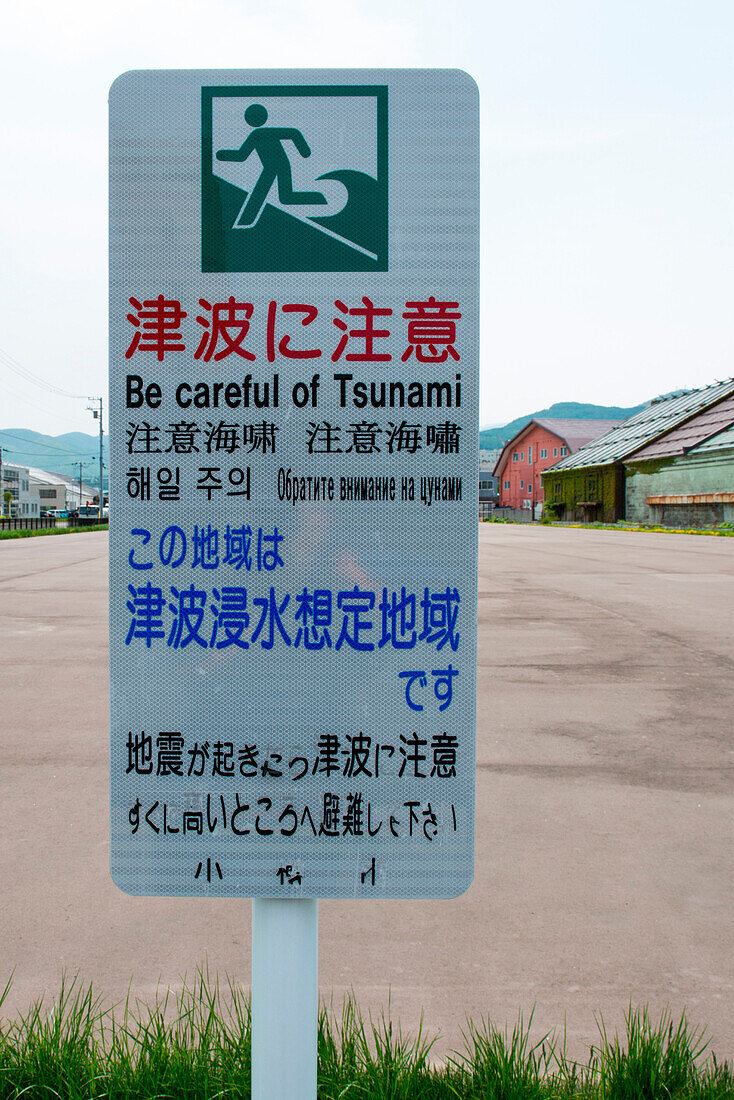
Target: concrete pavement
[605, 782]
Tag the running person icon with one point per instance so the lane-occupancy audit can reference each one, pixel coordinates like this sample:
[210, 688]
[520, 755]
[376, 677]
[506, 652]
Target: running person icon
[267, 142]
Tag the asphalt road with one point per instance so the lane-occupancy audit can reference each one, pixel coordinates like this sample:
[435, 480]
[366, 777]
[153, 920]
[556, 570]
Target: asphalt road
[605, 823]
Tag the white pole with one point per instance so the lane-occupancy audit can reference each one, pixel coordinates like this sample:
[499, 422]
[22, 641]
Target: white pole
[284, 998]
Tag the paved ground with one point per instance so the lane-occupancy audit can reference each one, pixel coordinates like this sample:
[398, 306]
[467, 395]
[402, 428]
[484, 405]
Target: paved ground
[605, 826]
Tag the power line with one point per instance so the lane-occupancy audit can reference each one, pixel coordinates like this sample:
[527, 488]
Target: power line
[23, 461]
[35, 404]
[34, 443]
[12, 364]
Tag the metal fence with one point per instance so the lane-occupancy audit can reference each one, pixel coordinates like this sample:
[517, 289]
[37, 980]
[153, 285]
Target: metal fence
[516, 515]
[16, 523]
[20, 523]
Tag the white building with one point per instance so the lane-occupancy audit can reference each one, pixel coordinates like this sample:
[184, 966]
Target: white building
[59, 491]
[24, 502]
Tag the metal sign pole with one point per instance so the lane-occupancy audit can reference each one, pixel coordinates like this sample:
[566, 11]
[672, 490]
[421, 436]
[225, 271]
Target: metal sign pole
[284, 998]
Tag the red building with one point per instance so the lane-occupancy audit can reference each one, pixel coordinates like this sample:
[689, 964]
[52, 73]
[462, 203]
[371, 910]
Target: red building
[535, 448]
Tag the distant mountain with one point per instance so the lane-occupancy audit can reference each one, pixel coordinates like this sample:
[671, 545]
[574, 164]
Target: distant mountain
[59, 454]
[562, 410]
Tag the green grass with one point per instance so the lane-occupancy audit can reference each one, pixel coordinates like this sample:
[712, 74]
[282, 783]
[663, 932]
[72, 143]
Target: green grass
[32, 534]
[195, 1045]
[723, 530]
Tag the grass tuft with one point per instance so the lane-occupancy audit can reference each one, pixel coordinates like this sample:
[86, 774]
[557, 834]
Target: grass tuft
[508, 1066]
[654, 1060]
[372, 1060]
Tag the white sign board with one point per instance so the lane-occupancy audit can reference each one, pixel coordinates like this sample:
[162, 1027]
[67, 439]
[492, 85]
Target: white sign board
[294, 368]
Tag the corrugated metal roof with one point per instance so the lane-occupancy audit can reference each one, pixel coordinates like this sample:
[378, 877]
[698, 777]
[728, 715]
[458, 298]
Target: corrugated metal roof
[577, 433]
[573, 433]
[654, 420]
[718, 441]
[704, 424]
[37, 476]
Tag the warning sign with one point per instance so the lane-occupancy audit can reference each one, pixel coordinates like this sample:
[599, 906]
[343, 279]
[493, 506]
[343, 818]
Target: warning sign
[294, 368]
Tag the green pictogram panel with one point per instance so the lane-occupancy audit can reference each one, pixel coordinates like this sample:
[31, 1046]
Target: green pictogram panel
[294, 178]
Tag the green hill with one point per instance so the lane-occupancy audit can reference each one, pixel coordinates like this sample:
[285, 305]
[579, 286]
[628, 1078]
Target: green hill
[59, 454]
[562, 410]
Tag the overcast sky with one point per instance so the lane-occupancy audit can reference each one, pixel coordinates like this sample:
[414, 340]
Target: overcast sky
[608, 179]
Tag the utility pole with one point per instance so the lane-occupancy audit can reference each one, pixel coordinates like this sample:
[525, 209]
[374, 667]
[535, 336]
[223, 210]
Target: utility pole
[97, 414]
[81, 465]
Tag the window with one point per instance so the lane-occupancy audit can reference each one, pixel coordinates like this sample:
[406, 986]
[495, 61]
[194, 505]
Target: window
[522, 456]
[544, 452]
[564, 451]
[530, 453]
[505, 485]
[515, 456]
[555, 452]
[522, 484]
